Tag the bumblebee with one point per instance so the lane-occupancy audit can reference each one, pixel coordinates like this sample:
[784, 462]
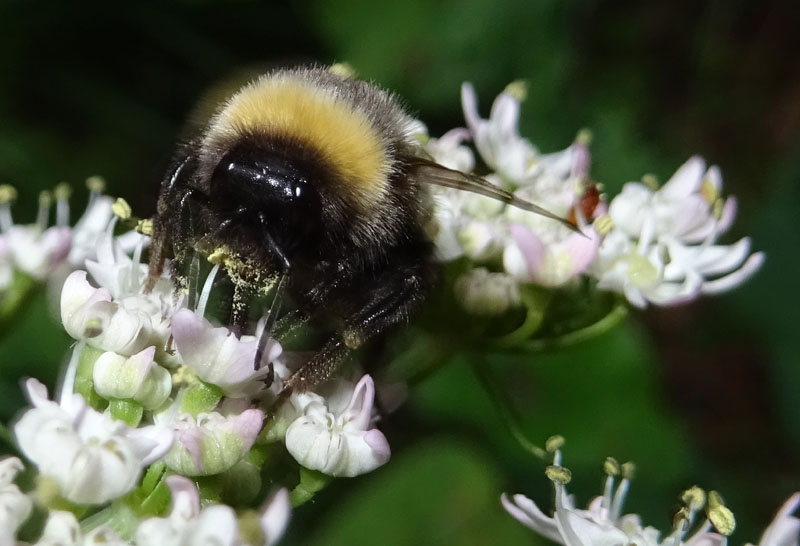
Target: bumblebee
[308, 182]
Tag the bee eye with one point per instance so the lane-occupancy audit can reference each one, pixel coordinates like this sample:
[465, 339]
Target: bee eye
[268, 192]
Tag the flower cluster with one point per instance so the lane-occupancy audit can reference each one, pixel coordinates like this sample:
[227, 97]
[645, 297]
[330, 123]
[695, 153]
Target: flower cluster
[41, 251]
[654, 245]
[156, 395]
[603, 522]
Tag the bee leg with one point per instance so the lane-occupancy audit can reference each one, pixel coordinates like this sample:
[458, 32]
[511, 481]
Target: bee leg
[399, 293]
[173, 188]
[319, 369]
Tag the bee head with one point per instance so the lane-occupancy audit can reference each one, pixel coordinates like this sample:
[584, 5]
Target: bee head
[268, 194]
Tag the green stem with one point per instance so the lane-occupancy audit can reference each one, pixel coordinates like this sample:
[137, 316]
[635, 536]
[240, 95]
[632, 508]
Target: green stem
[614, 317]
[508, 413]
[16, 297]
[536, 302]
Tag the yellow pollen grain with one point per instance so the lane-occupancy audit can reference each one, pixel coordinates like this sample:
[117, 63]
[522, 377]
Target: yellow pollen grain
[340, 133]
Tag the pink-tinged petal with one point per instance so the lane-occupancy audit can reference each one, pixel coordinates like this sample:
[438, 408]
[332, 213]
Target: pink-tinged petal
[216, 354]
[59, 241]
[530, 246]
[246, 426]
[686, 180]
[275, 516]
[379, 445]
[784, 529]
[723, 284]
[361, 403]
[185, 497]
[525, 511]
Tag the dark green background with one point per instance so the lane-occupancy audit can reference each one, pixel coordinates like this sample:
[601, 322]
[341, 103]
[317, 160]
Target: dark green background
[704, 394]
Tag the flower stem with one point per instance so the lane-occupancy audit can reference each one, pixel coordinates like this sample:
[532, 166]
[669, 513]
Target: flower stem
[15, 299]
[508, 414]
[614, 317]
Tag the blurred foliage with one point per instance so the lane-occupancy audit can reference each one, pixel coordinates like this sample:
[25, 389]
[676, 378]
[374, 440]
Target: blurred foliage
[702, 394]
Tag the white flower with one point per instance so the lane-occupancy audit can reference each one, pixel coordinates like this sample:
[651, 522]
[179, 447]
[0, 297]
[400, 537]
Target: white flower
[188, 525]
[482, 292]
[336, 439]
[15, 506]
[785, 528]
[662, 247]
[602, 523]
[210, 443]
[137, 377]
[88, 313]
[497, 139]
[35, 252]
[91, 457]
[449, 151]
[218, 357]
[529, 257]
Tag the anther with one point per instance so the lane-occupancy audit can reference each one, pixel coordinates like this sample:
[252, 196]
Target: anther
[694, 498]
[554, 443]
[720, 515]
[603, 224]
[558, 474]
[122, 209]
[96, 184]
[8, 193]
[518, 89]
[611, 467]
[651, 181]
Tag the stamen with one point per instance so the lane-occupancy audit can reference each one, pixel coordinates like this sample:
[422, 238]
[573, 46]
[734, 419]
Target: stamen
[204, 295]
[62, 193]
[105, 249]
[611, 468]
[584, 137]
[619, 499]
[45, 200]
[720, 515]
[96, 186]
[554, 443]
[133, 279]
[68, 386]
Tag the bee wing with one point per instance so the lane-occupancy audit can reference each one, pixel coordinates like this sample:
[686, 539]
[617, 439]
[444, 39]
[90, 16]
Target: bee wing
[430, 172]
